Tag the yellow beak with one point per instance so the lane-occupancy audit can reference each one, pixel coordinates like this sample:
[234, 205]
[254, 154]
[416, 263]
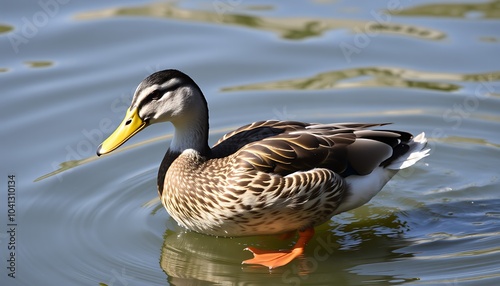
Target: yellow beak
[130, 125]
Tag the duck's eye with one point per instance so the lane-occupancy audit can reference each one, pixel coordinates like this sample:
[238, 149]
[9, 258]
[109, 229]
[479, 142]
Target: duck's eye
[155, 95]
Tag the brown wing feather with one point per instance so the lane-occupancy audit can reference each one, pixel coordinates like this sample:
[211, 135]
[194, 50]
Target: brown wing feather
[284, 147]
[286, 153]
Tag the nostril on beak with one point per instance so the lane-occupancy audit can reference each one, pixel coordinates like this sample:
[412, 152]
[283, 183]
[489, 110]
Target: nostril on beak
[128, 122]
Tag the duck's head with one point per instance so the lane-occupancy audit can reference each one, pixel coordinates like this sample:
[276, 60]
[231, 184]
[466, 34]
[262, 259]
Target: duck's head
[167, 95]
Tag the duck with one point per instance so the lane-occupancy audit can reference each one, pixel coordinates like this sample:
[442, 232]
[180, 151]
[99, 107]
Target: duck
[271, 177]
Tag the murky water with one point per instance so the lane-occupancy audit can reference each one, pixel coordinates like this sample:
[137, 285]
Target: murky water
[68, 71]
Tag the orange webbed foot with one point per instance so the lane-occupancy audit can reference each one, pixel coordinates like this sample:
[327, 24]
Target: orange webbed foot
[273, 259]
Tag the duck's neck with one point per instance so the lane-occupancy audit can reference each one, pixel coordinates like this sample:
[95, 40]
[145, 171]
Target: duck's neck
[191, 134]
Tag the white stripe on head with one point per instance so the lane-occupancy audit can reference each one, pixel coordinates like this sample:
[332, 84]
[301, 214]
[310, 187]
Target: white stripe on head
[173, 81]
[144, 93]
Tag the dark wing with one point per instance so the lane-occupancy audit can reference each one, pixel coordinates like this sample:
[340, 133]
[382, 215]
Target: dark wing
[346, 149]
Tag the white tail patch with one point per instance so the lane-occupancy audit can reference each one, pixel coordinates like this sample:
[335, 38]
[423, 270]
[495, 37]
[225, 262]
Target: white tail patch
[363, 188]
[415, 153]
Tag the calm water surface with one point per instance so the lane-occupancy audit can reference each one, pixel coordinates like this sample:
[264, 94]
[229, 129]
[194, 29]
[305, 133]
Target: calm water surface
[67, 73]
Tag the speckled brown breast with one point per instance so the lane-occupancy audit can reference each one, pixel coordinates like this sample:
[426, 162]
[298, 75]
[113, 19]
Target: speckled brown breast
[218, 201]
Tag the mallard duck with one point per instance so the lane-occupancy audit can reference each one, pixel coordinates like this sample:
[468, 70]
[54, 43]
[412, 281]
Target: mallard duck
[267, 177]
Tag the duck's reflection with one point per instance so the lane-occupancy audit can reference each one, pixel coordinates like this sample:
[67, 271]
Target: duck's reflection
[189, 258]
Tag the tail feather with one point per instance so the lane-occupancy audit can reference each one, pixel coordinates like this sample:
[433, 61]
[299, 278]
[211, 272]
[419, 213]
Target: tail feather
[416, 152]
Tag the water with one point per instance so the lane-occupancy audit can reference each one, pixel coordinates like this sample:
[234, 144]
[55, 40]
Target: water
[67, 73]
